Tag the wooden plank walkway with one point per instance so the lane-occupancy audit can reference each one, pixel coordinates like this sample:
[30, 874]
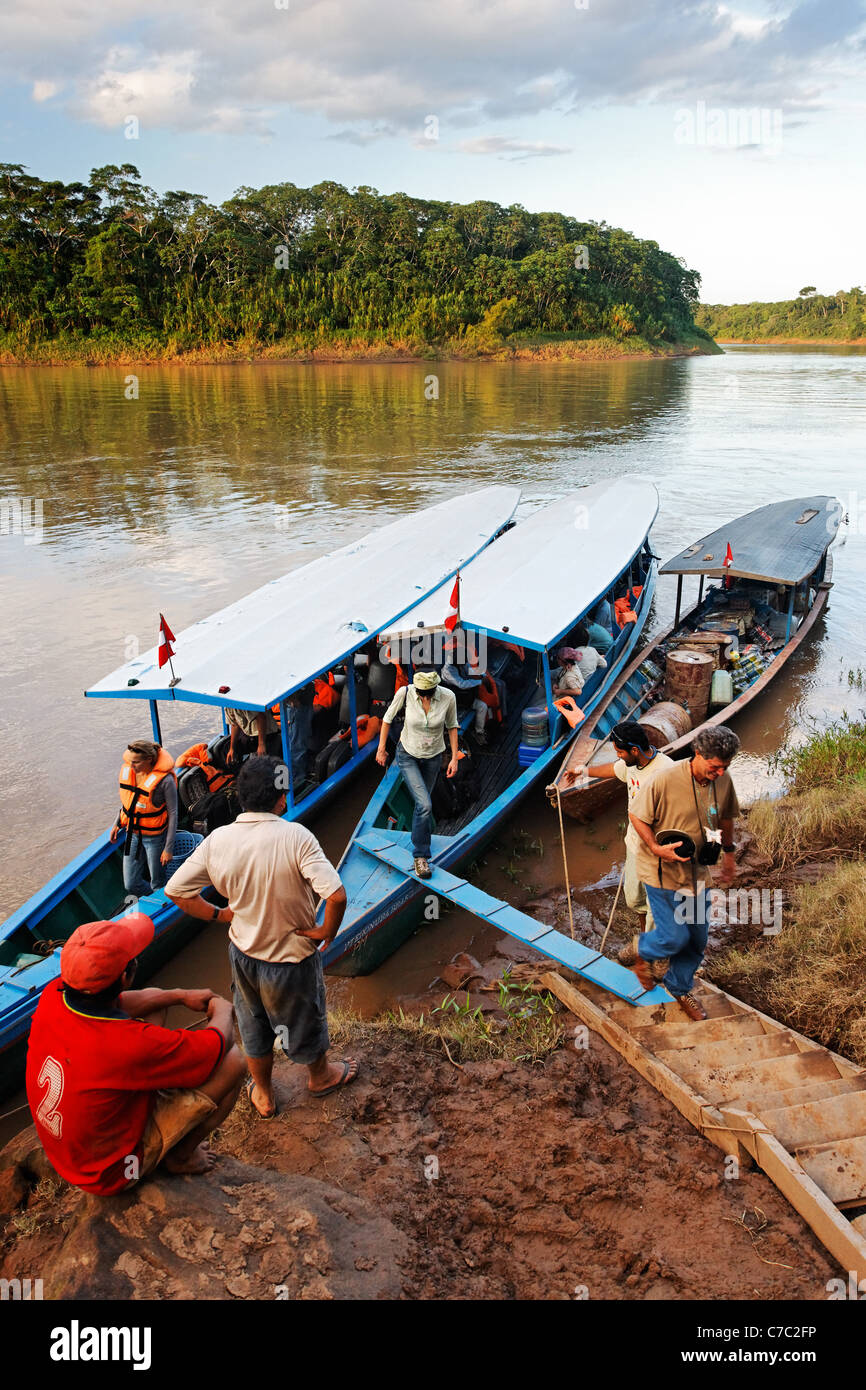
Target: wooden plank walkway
[757, 1090]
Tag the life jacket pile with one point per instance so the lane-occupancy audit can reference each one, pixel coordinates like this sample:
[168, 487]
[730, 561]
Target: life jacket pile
[197, 756]
[138, 814]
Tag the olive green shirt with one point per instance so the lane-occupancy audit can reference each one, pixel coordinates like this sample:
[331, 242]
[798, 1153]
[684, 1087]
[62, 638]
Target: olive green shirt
[423, 734]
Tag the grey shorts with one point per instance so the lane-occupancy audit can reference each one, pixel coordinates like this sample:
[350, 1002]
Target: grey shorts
[277, 999]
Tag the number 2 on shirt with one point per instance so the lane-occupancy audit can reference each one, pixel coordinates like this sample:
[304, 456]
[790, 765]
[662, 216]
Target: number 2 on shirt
[51, 1076]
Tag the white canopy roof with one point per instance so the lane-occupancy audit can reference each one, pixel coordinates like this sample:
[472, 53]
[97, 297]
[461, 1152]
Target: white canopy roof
[281, 635]
[537, 578]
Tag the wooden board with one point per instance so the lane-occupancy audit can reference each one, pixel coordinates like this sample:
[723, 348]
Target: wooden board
[779, 1091]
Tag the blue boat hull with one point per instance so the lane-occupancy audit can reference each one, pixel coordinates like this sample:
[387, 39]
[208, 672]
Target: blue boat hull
[375, 934]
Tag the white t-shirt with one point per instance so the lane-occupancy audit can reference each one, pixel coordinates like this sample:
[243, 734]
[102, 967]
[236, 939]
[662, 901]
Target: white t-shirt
[635, 778]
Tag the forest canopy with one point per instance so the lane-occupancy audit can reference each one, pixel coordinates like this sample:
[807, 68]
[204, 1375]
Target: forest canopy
[839, 316]
[112, 258]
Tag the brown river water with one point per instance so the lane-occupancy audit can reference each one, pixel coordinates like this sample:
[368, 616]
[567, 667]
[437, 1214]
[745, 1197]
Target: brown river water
[216, 479]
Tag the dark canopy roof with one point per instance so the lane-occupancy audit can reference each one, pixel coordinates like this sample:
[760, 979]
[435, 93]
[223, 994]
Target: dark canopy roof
[781, 543]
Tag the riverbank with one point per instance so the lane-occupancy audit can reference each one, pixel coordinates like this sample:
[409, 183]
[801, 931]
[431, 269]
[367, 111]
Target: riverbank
[791, 342]
[455, 1167]
[553, 347]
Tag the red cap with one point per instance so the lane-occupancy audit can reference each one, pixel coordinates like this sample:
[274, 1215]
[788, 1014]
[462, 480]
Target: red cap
[97, 953]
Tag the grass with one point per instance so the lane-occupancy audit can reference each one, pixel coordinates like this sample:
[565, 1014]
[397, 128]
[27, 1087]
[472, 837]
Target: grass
[823, 820]
[529, 1031]
[830, 756]
[109, 349]
[812, 976]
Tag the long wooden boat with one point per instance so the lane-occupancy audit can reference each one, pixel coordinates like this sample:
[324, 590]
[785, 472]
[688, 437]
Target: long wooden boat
[784, 546]
[530, 590]
[253, 654]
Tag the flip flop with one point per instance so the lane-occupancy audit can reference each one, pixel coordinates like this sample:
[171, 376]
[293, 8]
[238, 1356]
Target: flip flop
[345, 1080]
[250, 1084]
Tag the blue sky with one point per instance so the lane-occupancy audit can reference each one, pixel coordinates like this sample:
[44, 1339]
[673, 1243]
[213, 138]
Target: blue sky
[731, 134]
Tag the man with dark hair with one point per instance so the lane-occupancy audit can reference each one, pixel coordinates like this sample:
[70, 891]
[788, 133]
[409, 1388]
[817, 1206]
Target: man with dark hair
[684, 819]
[271, 871]
[637, 763]
[112, 1092]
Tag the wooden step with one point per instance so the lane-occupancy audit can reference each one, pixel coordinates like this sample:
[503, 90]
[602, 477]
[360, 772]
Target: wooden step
[797, 1095]
[631, 1018]
[769, 1074]
[839, 1168]
[842, 1117]
[664, 1035]
[715, 1056]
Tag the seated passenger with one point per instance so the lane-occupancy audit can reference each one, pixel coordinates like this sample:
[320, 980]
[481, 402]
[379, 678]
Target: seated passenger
[245, 725]
[598, 629]
[567, 680]
[454, 676]
[113, 1093]
[589, 659]
[300, 731]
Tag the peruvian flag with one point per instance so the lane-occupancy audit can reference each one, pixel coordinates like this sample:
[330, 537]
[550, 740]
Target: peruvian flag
[166, 637]
[454, 615]
[726, 564]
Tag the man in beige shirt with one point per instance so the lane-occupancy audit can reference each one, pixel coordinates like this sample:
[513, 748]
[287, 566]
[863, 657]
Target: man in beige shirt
[272, 872]
[637, 763]
[684, 819]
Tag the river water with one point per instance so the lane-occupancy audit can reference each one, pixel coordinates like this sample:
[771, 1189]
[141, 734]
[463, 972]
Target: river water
[183, 488]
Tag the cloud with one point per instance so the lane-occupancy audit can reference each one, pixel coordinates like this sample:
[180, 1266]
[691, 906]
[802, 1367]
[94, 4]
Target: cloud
[44, 91]
[504, 148]
[375, 67]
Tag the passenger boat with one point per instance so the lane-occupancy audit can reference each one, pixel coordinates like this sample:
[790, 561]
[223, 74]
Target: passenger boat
[254, 654]
[528, 592]
[768, 597]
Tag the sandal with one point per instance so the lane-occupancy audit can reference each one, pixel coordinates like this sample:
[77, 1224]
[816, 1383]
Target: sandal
[350, 1074]
[262, 1114]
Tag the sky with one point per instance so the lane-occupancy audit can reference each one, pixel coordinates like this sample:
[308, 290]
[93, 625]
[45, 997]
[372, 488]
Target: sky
[731, 134]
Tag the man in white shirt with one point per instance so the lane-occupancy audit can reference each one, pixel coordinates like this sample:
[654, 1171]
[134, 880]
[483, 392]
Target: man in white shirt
[637, 763]
[272, 872]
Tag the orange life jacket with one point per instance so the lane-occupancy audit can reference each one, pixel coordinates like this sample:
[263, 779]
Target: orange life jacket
[401, 678]
[490, 695]
[327, 695]
[197, 756]
[136, 796]
[623, 608]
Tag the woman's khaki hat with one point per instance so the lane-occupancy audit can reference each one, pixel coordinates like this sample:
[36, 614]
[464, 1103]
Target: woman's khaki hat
[425, 680]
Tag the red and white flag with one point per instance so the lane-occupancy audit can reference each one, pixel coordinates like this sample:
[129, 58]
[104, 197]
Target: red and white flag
[454, 614]
[729, 558]
[166, 637]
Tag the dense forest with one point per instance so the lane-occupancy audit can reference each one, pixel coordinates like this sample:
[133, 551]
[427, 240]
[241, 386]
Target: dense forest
[840, 316]
[111, 261]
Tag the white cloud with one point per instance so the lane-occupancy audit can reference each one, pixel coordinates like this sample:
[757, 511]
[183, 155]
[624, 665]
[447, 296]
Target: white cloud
[511, 149]
[44, 91]
[380, 66]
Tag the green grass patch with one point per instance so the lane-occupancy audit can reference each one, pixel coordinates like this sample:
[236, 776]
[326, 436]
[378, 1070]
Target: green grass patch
[812, 976]
[529, 1031]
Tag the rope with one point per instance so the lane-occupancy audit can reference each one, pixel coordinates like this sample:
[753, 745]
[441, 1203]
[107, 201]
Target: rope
[613, 909]
[16, 1111]
[564, 861]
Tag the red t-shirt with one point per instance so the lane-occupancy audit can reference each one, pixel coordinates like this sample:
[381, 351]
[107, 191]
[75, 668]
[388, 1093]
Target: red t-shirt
[91, 1084]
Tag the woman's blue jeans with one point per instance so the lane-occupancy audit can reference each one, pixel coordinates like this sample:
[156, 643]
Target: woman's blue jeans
[420, 775]
[142, 871]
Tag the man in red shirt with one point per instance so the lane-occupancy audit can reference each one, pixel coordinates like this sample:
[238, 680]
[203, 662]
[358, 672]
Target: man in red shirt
[112, 1092]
